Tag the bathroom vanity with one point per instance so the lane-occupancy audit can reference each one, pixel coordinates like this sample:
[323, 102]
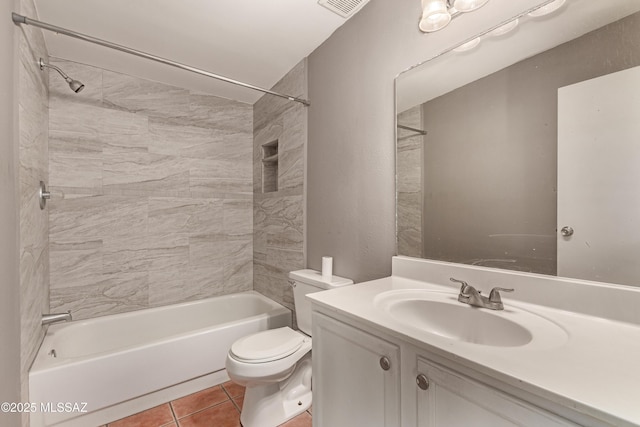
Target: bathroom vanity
[402, 351]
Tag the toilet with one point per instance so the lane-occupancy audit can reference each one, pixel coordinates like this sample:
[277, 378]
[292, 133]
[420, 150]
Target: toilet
[275, 365]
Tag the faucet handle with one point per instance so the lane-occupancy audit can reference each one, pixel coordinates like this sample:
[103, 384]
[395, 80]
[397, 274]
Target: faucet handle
[464, 289]
[494, 296]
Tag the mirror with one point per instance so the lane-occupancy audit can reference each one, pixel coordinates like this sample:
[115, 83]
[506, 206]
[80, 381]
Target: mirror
[523, 152]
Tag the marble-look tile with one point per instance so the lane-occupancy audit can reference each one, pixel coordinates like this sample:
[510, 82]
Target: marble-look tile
[32, 120]
[294, 133]
[75, 264]
[167, 253]
[409, 170]
[136, 95]
[238, 265]
[93, 217]
[410, 224]
[75, 160]
[238, 217]
[155, 203]
[125, 254]
[34, 280]
[219, 187]
[224, 174]
[226, 166]
[185, 141]
[132, 172]
[240, 143]
[109, 295]
[185, 284]
[411, 117]
[220, 113]
[209, 249]
[271, 131]
[269, 286]
[268, 107]
[282, 221]
[291, 169]
[68, 116]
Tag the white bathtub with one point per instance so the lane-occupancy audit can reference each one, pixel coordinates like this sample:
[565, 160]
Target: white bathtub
[109, 360]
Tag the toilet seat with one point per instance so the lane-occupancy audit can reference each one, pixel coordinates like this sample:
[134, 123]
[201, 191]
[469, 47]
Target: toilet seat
[276, 369]
[267, 346]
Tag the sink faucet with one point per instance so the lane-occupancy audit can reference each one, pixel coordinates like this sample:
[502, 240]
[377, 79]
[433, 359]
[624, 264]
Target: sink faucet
[48, 319]
[470, 295]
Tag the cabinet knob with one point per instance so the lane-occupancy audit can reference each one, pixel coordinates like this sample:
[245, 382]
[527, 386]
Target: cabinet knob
[385, 363]
[422, 381]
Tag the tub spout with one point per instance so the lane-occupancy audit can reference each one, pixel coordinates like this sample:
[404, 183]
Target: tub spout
[48, 319]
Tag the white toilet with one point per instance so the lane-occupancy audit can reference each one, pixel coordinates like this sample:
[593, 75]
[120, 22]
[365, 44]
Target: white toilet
[275, 365]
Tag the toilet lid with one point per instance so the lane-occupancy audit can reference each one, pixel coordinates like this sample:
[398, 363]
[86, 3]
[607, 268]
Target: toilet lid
[268, 345]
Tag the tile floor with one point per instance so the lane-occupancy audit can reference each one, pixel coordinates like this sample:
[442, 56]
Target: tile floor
[217, 406]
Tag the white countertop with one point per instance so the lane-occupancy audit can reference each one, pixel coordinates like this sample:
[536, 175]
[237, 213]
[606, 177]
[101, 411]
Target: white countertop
[593, 370]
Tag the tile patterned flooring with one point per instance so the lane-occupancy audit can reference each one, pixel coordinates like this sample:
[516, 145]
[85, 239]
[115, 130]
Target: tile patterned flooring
[218, 406]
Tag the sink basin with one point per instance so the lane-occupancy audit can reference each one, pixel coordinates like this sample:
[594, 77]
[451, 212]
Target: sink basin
[441, 314]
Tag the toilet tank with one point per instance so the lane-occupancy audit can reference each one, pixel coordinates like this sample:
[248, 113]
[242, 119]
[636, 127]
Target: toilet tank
[306, 282]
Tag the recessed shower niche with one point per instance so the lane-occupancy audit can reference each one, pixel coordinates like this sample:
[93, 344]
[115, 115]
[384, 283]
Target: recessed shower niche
[270, 167]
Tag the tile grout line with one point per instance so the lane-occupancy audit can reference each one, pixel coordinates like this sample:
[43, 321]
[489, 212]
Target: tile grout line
[233, 402]
[175, 418]
[200, 410]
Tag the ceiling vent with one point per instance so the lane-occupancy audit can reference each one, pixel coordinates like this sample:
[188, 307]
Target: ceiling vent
[344, 8]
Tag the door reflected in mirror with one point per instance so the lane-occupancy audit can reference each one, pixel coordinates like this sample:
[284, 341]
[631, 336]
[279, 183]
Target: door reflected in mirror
[528, 132]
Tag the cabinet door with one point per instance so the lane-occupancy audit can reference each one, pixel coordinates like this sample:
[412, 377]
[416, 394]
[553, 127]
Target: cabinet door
[453, 400]
[356, 377]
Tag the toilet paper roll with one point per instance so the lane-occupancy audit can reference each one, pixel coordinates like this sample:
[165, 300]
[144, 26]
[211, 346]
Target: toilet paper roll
[327, 268]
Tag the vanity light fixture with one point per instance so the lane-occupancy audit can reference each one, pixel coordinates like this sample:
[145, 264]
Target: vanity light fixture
[436, 14]
[504, 29]
[545, 10]
[467, 5]
[468, 45]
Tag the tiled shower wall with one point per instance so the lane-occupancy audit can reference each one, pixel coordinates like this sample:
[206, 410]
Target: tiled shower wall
[34, 253]
[152, 194]
[409, 160]
[278, 245]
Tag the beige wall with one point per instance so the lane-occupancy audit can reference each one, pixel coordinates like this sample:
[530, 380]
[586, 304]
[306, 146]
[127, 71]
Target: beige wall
[9, 221]
[351, 175]
[152, 194]
[278, 239]
[34, 244]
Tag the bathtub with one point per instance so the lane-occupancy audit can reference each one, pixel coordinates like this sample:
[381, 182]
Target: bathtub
[90, 372]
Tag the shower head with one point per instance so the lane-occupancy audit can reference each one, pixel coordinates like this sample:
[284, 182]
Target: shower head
[75, 85]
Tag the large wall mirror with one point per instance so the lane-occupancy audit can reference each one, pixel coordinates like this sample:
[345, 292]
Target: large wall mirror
[521, 148]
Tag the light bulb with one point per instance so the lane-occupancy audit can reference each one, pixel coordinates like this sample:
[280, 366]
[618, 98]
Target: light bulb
[468, 45]
[545, 10]
[504, 29]
[468, 5]
[435, 15]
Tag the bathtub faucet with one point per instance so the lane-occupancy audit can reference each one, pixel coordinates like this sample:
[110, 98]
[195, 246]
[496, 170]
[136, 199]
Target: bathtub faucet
[48, 319]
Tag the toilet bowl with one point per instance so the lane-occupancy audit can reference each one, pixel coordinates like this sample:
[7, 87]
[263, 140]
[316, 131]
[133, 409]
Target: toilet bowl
[275, 365]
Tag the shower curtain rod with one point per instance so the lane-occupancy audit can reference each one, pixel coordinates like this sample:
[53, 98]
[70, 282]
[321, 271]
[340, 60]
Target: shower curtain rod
[420, 131]
[20, 19]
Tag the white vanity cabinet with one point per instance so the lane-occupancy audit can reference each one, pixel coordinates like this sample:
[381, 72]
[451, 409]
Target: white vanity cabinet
[366, 378]
[360, 380]
[445, 398]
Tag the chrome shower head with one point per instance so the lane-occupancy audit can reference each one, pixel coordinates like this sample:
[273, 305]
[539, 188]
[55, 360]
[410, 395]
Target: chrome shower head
[75, 85]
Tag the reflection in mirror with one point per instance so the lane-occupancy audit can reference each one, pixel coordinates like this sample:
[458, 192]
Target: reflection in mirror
[529, 161]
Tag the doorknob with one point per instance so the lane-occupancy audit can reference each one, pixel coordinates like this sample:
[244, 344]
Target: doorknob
[566, 231]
